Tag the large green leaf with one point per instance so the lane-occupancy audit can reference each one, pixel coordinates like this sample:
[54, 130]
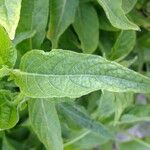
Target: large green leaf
[62, 13]
[61, 73]
[78, 117]
[8, 53]
[44, 121]
[8, 113]
[34, 17]
[116, 15]
[86, 26]
[9, 15]
[123, 45]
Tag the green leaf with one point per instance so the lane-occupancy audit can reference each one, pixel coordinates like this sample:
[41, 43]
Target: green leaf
[23, 36]
[136, 114]
[116, 15]
[140, 19]
[34, 16]
[84, 120]
[123, 45]
[86, 26]
[45, 123]
[10, 14]
[106, 106]
[122, 101]
[62, 13]
[8, 113]
[61, 73]
[127, 5]
[7, 145]
[104, 23]
[8, 54]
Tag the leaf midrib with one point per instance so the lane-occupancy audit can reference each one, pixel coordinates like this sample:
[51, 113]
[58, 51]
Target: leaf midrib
[18, 72]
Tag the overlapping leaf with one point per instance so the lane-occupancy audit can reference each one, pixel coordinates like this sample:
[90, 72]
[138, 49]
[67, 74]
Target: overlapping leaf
[8, 114]
[116, 15]
[9, 15]
[62, 13]
[45, 123]
[8, 54]
[86, 26]
[34, 17]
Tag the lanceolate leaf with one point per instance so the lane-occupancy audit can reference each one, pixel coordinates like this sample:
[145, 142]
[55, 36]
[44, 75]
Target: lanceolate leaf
[86, 26]
[8, 114]
[62, 13]
[34, 17]
[84, 120]
[44, 121]
[9, 15]
[8, 53]
[61, 73]
[116, 14]
[123, 45]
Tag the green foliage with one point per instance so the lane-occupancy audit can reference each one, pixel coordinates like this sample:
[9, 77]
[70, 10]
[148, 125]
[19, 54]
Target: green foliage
[74, 74]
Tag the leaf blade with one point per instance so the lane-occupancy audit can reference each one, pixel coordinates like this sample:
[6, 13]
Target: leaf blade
[83, 25]
[84, 120]
[116, 15]
[8, 53]
[69, 74]
[10, 14]
[45, 123]
[62, 13]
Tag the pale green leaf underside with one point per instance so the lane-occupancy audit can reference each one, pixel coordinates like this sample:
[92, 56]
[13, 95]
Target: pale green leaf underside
[116, 15]
[62, 73]
[62, 13]
[8, 53]
[8, 114]
[44, 121]
[9, 15]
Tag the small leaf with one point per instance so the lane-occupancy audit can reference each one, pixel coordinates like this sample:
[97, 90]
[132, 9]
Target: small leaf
[45, 123]
[8, 54]
[63, 73]
[10, 14]
[86, 26]
[62, 13]
[116, 15]
[84, 120]
[8, 113]
[123, 45]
